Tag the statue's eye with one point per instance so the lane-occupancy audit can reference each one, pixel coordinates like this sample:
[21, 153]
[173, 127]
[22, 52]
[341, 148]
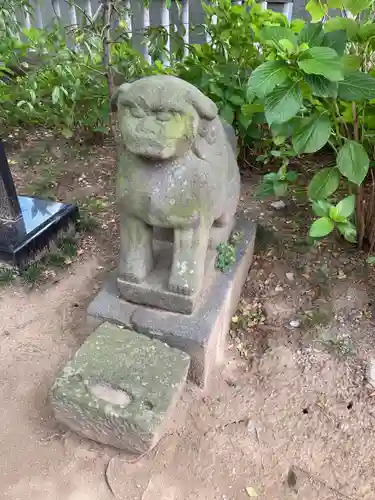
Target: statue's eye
[164, 116]
[137, 112]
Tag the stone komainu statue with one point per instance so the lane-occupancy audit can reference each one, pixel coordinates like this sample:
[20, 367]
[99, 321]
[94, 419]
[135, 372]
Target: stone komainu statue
[176, 169]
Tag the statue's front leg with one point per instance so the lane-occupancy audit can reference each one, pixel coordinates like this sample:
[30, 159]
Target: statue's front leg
[189, 255]
[136, 255]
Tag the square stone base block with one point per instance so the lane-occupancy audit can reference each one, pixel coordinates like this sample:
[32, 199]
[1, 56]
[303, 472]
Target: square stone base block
[120, 388]
[201, 334]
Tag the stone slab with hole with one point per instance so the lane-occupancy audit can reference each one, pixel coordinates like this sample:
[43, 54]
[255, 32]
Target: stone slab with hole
[201, 334]
[120, 388]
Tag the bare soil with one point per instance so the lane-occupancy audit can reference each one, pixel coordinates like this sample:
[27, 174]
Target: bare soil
[290, 415]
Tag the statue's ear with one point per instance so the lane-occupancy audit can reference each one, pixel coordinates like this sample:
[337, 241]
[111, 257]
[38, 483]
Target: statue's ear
[114, 98]
[203, 105]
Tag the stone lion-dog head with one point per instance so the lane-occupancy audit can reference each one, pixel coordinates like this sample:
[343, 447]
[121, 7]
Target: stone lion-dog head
[162, 117]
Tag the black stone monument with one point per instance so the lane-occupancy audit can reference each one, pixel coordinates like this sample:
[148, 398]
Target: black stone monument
[28, 225]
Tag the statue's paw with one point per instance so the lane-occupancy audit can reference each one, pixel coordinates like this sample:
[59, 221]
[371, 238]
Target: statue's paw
[181, 286]
[131, 275]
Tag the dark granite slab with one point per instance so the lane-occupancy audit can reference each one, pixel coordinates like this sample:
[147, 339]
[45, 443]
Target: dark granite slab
[39, 223]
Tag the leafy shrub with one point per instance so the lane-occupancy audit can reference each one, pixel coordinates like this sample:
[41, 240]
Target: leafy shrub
[316, 88]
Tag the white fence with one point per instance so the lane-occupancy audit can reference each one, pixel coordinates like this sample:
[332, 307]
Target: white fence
[136, 15]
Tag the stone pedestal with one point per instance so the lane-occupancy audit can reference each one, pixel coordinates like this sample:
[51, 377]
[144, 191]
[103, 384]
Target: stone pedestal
[201, 334]
[120, 388]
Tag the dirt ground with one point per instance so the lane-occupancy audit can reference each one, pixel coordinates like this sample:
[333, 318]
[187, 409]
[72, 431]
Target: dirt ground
[290, 415]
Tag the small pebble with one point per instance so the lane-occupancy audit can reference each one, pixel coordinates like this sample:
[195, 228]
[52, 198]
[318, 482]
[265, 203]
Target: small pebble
[371, 372]
[290, 276]
[279, 288]
[278, 205]
[295, 324]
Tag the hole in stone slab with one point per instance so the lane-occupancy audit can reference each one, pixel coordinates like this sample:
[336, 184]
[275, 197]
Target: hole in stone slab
[349, 405]
[109, 394]
[149, 405]
[305, 411]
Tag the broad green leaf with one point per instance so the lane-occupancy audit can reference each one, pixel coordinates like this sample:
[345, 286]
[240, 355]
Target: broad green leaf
[55, 95]
[335, 216]
[297, 25]
[352, 63]
[321, 207]
[324, 183]
[249, 109]
[335, 4]
[317, 9]
[321, 227]
[277, 33]
[312, 34]
[313, 134]
[283, 103]
[285, 129]
[244, 120]
[280, 188]
[336, 40]
[348, 230]
[366, 31]
[267, 76]
[342, 23]
[346, 206]
[237, 100]
[370, 259]
[227, 113]
[287, 46]
[271, 177]
[356, 6]
[216, 90]
[321, 87]
[322, 61]
[291, 176]
[353, 162]
[357, 87]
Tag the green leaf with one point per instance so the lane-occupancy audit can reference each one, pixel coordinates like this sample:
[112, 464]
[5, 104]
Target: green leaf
[356, 6]
[277, 33]
[317, 9]
[321, 207]
[352, 63]
[350, 26]
[280, 188]
[336, 40]
[334, 4]
[370, 259]
[348, 230]
[335, 216]
[227, 113]
[321, 87]
[357, 87]
[313, 134]
[216, 90]
[269, 74]
[55, 95]
[321, 227]
[237, 100]
[285, 129]
[353, 162]
[366, 31]
[324, 183]
[346, 206]
[312, 34]
[322, 61]
[283, 103]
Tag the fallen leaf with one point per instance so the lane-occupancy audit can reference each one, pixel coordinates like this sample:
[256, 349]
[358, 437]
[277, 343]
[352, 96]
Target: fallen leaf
[251, 492]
